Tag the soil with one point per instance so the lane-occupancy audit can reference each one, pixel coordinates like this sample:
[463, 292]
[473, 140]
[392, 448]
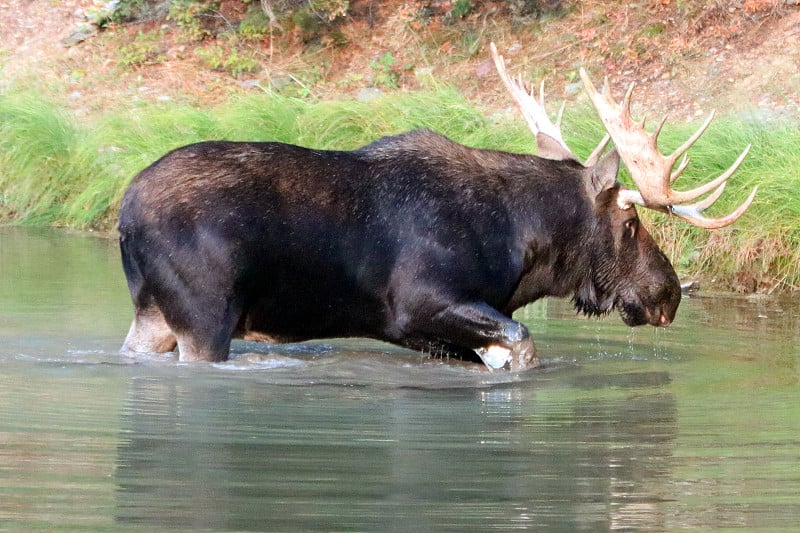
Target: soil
[686, 56]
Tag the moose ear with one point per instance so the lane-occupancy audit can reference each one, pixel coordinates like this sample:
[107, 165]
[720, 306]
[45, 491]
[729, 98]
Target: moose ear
[603, 175]
[550, 148]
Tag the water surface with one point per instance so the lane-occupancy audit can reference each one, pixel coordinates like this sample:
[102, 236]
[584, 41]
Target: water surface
[696, 426]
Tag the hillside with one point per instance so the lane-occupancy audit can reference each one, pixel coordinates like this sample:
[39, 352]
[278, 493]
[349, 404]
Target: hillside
[686, 56]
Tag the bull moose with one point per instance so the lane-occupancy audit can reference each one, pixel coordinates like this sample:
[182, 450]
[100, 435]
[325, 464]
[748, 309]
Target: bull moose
[413, 239]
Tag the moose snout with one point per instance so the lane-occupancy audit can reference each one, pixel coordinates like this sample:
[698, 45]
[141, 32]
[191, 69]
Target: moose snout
[661, 315]
[657, 318]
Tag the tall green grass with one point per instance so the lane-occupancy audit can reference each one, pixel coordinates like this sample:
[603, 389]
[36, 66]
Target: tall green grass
[57, 170]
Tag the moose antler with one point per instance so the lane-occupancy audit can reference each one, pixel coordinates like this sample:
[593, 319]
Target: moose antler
[549, 140]
[652, 171]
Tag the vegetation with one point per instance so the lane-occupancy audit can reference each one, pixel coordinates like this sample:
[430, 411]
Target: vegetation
[241, 37]
[57, 170]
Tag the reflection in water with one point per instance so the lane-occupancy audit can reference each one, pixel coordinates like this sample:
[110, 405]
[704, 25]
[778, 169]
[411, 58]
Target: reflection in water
[695, 426]
[219, 456]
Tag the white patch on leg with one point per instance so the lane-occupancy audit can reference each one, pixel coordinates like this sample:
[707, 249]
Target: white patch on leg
[495, 357]
[149, 333]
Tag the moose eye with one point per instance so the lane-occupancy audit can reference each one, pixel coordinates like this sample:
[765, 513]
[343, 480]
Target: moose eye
[630, 227]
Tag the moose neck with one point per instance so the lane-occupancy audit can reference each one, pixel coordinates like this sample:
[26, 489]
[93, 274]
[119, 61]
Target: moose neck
[555, 221]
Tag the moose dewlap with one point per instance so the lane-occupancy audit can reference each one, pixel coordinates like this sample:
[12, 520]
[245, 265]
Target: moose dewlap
[413, 239]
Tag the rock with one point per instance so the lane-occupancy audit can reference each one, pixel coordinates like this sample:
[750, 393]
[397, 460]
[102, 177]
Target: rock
[573, 88]
[83, 32]
[280, 82]
[368, 94]
[691, 286]
[250, 84]
[102, 12]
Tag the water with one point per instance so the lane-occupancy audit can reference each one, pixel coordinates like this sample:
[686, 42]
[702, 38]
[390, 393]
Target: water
[696, 426]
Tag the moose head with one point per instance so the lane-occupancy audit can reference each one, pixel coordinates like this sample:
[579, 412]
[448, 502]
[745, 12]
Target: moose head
[636, 278]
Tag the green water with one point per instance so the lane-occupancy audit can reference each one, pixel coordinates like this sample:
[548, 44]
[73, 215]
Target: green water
[696, 426]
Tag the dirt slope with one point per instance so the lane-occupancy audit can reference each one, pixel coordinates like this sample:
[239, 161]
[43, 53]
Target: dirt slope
[686, 57]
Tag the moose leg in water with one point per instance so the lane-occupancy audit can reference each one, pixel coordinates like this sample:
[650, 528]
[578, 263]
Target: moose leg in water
[186, 297]
[149, 332]
[499, 341]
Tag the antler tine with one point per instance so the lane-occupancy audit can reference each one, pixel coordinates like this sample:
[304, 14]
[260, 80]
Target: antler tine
[678, 171]
[560, 112]
[708, 200]
[691, 140]
[597, 152]
[626, 102]
[534, 114]
[651, 171]
[609, 100]
[541, 93]
[607, 92]
[679, 197]
[693, 213]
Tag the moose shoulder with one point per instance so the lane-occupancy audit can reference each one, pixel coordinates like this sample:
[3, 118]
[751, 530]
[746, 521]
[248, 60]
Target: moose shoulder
[413, 239]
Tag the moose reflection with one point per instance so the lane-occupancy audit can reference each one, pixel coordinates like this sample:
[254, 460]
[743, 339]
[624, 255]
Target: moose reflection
[331, 458]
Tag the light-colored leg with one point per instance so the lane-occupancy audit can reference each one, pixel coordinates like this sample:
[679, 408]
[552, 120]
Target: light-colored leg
[198, 349]
[149, 333]
[524, 355]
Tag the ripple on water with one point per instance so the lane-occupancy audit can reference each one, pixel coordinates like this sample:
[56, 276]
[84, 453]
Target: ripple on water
[340, 365]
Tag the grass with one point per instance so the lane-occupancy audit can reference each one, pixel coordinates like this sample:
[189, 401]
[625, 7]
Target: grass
[57, 171]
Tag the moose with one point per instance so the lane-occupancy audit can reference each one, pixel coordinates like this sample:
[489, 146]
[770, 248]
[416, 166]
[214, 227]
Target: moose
[413, 239]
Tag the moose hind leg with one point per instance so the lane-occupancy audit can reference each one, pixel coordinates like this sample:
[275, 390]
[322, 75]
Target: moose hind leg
[206, 336]
[149, 333]
[203, 346]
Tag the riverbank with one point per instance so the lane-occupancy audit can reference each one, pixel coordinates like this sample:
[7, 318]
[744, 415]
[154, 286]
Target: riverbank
[78, 122]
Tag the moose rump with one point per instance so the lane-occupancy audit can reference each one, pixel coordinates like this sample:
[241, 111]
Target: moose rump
[274, 242]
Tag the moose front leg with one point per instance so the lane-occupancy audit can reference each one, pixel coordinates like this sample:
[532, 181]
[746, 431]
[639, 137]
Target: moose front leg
[517, 352]
[500, 342]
